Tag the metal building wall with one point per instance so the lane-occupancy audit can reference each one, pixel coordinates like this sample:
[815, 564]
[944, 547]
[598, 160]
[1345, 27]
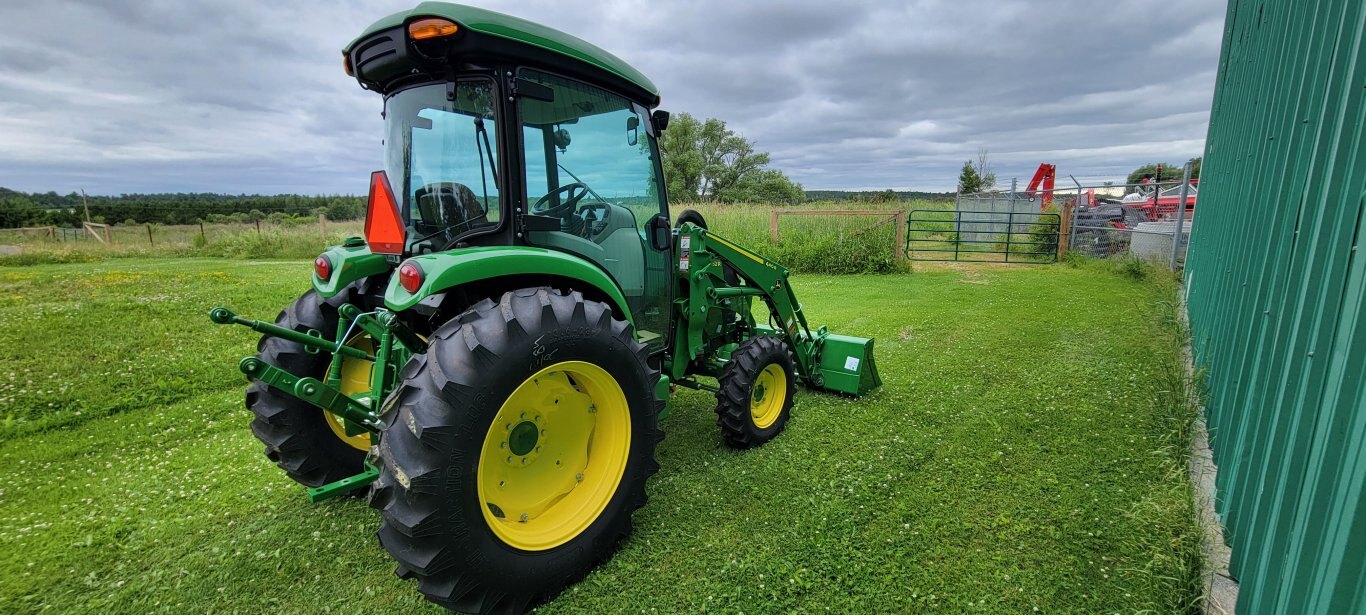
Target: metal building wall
[1275, 290]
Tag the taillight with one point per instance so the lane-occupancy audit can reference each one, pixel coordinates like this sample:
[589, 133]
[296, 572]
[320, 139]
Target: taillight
[410, 276]
[384, 229]
[322, 267]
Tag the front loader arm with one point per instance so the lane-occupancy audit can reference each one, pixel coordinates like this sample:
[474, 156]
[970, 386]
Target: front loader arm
[707, 254]
[825, 360]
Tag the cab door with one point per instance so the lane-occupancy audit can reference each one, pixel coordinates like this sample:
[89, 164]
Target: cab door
[591, 168]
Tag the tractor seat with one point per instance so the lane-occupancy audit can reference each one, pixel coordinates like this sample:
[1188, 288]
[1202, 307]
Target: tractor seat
[448, 205]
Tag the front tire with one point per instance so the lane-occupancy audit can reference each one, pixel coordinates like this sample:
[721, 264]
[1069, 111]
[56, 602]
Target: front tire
[756, 392]
[517, 447]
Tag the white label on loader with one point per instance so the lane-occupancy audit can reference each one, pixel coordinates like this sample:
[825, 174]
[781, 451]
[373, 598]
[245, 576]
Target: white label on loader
[851, 364]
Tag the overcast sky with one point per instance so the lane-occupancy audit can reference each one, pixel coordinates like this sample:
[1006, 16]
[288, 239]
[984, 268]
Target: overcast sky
[119, 96]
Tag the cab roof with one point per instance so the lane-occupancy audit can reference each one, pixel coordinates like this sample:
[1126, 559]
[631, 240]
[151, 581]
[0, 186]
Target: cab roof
[517, 30]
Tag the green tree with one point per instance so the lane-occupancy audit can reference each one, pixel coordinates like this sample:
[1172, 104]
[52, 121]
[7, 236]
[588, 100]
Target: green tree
[764, 186]
[969, 181]
[705, 161]
[17, 211]
[682, 157]
[343, 209]
[886, 196]
[1167, 172]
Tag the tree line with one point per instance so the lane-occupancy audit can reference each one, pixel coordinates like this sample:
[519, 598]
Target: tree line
[20, 209]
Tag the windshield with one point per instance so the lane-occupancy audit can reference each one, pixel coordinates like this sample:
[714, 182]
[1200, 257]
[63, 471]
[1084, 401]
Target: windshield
[440, 158]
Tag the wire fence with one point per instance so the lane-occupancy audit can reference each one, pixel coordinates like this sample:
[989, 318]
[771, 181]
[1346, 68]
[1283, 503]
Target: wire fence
[158, 234]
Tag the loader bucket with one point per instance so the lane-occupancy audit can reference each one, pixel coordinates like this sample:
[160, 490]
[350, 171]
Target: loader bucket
[847, 365]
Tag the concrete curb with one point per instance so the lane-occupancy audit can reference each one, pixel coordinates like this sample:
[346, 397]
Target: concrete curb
[1221, 591]
[1220, 596]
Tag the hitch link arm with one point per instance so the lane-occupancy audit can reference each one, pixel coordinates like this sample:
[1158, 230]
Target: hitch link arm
[313, 392]
[223, 316]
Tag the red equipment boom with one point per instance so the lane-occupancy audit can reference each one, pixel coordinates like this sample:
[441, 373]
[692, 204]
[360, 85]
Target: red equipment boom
[1043, 178]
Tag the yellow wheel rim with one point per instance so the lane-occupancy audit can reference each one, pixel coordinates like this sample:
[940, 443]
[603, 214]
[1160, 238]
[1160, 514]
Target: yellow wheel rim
[554, 455]
[767, 397]
[355, 383]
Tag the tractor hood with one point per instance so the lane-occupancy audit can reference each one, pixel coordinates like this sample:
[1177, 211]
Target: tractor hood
[386, 57]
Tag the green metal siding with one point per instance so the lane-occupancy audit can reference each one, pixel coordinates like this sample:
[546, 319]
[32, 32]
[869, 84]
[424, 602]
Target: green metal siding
[1275, 292]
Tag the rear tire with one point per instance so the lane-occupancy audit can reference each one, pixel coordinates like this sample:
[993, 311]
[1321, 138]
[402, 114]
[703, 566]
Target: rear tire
[757, 389]
[459, 469]
[296, 433]
[691, 215]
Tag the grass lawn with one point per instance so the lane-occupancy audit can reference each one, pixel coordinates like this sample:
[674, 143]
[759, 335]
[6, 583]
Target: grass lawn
[1023, 453]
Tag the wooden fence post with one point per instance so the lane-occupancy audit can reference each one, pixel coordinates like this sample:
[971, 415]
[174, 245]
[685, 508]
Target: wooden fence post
[149, 235]
[1065, 229]
[322, 223]
[900, 236]
[773, 225]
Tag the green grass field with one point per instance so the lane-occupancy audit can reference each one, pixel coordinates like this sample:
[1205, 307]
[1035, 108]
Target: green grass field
[1025, 452]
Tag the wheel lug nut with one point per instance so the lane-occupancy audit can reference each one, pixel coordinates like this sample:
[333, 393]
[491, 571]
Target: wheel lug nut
[579, 477]
[538, 449]
[503, 445]
[524, 517]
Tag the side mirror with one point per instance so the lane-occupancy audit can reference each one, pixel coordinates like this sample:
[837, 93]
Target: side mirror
[632, 130]
[661, 119]
[661, 236]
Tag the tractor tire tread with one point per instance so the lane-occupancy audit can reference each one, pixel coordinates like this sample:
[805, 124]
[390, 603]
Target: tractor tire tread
[421, 526]
[736, 385]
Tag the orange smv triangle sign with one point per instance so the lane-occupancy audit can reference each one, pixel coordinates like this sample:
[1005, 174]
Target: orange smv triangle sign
[384, 229]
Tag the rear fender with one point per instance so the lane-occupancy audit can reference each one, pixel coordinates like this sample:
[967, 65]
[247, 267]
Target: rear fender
[350, 261]
[445, 270]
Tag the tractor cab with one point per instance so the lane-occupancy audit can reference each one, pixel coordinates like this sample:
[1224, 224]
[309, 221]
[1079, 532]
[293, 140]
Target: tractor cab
[502, 132]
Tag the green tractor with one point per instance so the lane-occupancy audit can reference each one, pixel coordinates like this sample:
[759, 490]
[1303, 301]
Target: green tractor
[492, 360]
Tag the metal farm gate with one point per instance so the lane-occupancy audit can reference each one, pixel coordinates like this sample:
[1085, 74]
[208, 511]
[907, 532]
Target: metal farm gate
[982, 236]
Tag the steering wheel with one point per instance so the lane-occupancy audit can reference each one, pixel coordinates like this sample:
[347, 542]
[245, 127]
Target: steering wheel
[568, 197]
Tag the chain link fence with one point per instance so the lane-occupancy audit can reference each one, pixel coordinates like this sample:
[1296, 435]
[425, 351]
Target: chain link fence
[1103, 220]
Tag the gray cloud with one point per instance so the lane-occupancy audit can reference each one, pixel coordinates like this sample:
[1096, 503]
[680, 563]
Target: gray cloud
[250, 97]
